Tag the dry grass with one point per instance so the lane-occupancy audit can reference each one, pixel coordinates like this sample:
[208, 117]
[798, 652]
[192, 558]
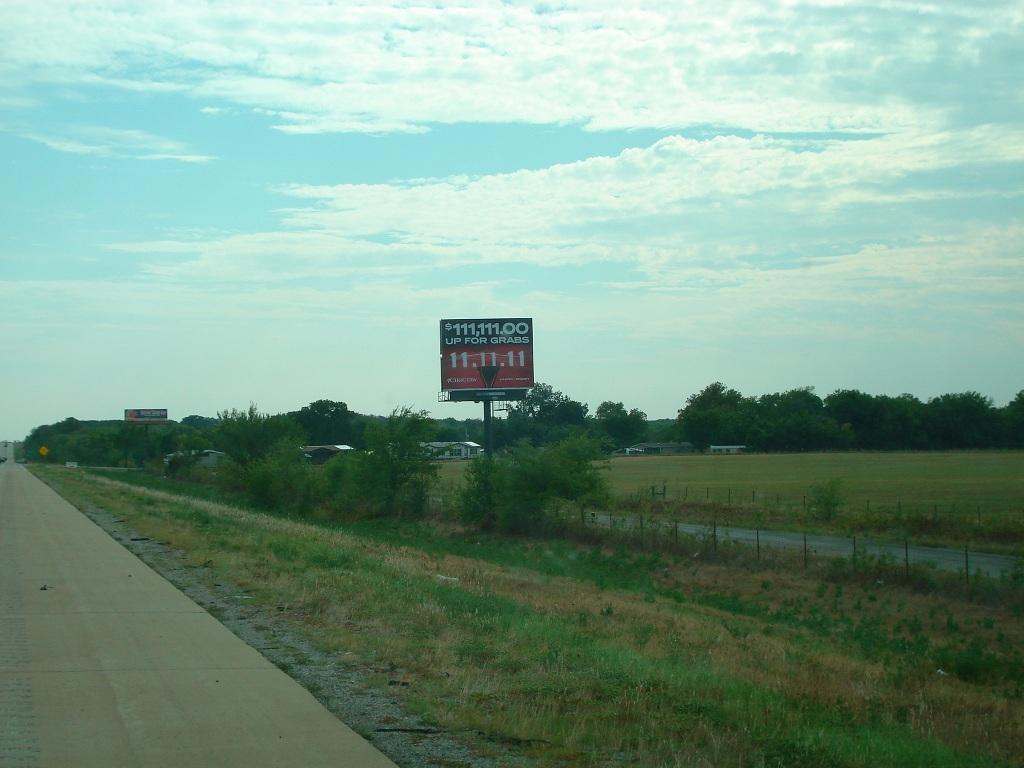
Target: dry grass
[595, 657]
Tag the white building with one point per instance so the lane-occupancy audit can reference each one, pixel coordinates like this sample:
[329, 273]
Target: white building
[448, 451]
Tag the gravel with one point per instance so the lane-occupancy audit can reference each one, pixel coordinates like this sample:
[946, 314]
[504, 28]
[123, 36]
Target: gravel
[336, 680]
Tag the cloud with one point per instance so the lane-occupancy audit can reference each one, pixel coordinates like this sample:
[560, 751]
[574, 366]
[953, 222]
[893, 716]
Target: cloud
[813, 66]
[118, 143]
[767, 231]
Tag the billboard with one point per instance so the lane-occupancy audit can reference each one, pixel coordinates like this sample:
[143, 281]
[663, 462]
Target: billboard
[145, 415]
[481, 357]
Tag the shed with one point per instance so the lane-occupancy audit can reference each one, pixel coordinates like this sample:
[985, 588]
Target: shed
[319, 454]
[660, 449]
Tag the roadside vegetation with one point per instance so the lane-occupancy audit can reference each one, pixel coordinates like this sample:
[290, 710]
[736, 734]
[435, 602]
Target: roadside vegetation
[507, 616]
[586, 647]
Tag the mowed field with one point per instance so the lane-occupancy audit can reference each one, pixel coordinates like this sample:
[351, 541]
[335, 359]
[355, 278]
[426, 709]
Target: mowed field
[965, 483]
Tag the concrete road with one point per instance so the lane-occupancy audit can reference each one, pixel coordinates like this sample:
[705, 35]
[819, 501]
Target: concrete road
[104, 663]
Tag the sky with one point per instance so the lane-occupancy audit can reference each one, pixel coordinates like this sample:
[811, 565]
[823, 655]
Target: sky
[205, 205]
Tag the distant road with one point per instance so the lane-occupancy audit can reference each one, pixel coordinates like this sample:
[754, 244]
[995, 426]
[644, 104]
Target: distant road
[838, 546]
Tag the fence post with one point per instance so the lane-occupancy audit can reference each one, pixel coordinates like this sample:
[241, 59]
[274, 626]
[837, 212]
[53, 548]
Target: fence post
[805, 550]
[854, 555]
[967, 566]
[906, 558]
[757, 532]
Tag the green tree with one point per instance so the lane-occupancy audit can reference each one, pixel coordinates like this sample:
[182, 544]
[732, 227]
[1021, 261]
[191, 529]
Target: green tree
[962, 420]
[484, 492]
[248, 436]
[395, 473]
[622, 427]
[188, 450]
[327, 422]
[544, 416]
[280, 479]
[515, 492]
[716, 414]
[795, 421]
[1012, 417]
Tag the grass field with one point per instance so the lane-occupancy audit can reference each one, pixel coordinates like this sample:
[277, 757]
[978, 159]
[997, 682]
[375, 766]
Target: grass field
[953, 482]
[587, 655]
[939, 497]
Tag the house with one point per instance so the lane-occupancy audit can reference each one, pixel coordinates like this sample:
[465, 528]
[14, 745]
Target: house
[319, 454]
[450, 451]
[659, 449]
[207, 458]
[726, 448]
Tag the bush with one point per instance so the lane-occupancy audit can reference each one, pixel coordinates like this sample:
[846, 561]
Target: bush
[514, 492]
[826, 498]
[279, 481]
[485, 487]
[397, 470]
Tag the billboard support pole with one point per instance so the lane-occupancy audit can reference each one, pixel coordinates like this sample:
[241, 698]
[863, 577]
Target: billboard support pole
[488, 430]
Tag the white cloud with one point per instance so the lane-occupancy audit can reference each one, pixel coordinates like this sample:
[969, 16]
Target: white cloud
[813, 66]
[749, 228]
[109, 142]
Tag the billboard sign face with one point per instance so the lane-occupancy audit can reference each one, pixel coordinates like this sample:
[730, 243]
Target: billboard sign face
[487, 354]
[145, 415]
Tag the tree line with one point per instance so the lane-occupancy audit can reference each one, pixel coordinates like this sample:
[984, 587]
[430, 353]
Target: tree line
[795, 420]
[550, 450]
[799, 420]
[545, 417]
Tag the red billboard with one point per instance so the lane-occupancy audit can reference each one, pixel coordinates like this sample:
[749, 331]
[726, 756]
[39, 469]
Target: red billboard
[487, 354]
[145, 415]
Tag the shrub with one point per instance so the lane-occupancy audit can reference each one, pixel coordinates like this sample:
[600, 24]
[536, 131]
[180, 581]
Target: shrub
[826, 498]
[513, 493]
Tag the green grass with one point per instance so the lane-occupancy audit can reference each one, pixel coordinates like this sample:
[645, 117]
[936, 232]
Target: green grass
[931, 498]
[603, 655]
[953, 482]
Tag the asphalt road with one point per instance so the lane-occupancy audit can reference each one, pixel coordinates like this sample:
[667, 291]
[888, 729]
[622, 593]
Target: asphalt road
[104, 663]
[838, 546]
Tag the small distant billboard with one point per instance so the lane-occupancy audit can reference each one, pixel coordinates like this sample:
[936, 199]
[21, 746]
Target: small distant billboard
[482, 357]
[145, 415]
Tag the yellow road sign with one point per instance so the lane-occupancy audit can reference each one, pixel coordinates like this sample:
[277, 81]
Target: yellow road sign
[44, 450]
